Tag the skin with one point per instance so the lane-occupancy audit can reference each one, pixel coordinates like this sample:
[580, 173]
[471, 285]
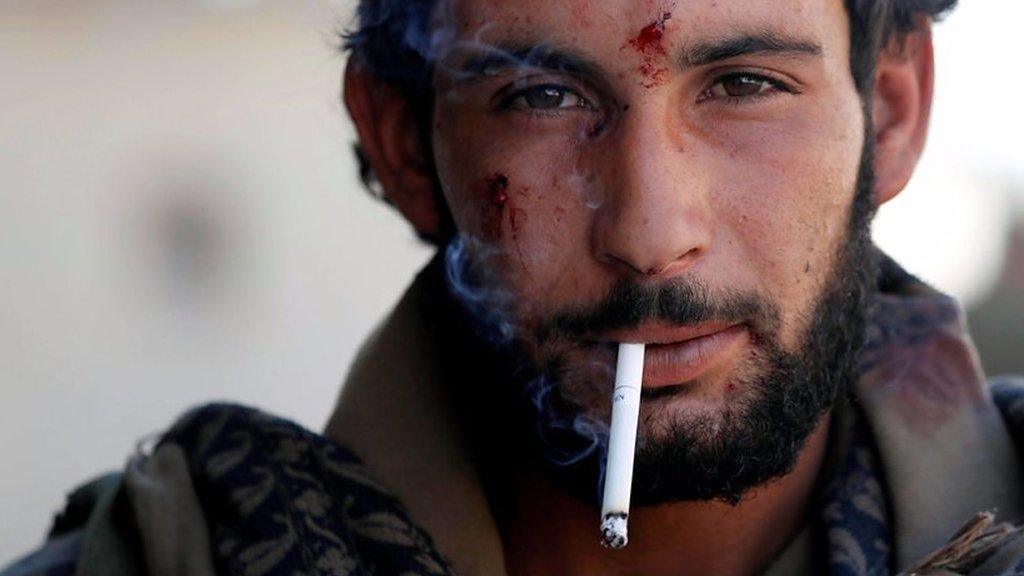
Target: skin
[653, 170]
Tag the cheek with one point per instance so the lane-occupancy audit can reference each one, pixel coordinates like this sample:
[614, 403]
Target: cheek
[529, 204]
[784, 206]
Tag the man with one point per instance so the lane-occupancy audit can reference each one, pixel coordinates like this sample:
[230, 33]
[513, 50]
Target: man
[695, 175]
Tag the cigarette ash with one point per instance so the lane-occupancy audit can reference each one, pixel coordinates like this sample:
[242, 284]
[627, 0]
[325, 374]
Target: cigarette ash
[614, 530]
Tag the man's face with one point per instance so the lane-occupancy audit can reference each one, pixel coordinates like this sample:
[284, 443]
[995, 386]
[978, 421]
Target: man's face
[602, 155]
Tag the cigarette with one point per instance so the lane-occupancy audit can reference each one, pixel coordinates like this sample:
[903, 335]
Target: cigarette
[618, 476]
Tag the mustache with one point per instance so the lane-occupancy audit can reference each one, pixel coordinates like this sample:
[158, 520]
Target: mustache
[629, 304]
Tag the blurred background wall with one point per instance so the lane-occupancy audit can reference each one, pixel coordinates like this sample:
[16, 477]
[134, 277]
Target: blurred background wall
[180, 221]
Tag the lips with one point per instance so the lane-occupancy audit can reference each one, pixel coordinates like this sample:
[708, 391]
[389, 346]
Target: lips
[678, 355]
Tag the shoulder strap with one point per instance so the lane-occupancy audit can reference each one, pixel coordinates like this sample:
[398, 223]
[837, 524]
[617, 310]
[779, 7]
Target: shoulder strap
[1008, 393]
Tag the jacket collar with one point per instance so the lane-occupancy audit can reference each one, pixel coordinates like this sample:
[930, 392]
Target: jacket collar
[397, 413]
[945, 450]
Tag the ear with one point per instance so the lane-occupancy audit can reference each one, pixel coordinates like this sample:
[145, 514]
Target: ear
[389, 136]
[902, 101]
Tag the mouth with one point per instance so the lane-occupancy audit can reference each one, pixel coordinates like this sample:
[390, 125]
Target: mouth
[677, 355]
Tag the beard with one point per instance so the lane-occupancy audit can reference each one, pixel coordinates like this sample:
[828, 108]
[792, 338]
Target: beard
[692, 456]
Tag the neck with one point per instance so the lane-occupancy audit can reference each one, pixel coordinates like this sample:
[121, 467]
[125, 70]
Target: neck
[551, 532]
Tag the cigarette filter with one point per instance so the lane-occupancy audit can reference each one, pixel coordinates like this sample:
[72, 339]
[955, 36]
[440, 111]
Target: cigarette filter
[618, 477]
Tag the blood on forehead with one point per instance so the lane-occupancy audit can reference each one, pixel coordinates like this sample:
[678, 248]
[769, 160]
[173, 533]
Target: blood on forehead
[649, 44]
[650, 39]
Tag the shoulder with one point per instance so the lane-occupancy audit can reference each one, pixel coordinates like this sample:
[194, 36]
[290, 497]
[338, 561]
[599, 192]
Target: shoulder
[236, 489]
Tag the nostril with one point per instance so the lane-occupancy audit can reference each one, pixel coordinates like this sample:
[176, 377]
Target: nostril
[624, 263]
[684, 259]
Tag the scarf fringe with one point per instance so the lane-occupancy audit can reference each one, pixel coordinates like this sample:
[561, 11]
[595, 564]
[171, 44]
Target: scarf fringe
[972, 545]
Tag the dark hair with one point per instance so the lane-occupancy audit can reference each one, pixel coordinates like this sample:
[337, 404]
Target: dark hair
[874, 23]
[393, 40]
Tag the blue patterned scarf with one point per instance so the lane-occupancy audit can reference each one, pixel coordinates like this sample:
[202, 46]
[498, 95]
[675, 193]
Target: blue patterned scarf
[280, 499]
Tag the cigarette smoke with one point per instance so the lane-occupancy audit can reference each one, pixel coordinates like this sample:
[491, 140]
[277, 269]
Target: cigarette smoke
[568, 440]
[553, 428]
[565, 435]
[488, 305]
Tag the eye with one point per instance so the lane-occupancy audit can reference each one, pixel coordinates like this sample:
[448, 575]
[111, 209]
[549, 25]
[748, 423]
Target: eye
[546, 97]
[743, 86]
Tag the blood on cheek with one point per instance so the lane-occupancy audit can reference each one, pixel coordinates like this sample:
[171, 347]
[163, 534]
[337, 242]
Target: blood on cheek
[496, 203]
[493, 207]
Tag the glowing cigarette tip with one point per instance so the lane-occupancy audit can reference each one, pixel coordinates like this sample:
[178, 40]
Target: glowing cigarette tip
[618, 476]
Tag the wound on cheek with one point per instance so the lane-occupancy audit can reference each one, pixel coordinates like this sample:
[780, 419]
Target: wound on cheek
[496, 197]
[497, 189]
[516, 218]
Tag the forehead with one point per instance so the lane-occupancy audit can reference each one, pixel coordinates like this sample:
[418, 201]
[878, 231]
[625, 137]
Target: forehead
[613, 23]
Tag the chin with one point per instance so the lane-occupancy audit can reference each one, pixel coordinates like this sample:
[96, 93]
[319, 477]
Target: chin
[669, 409]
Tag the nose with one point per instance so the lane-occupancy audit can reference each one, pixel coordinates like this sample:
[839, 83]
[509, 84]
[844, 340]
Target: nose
[655, 220]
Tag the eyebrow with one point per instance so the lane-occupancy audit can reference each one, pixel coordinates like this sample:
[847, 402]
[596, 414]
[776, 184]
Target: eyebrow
[764, 42]
[495, 59]
[499, 57]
